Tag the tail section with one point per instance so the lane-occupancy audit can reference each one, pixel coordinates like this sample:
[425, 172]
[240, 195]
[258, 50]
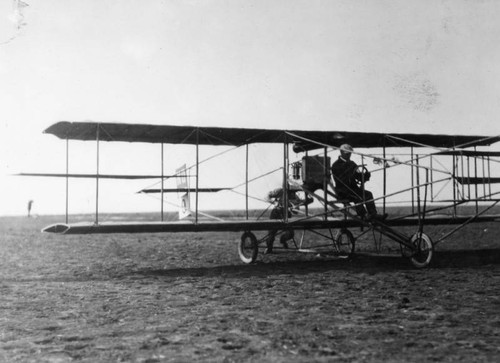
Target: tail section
[184, 197]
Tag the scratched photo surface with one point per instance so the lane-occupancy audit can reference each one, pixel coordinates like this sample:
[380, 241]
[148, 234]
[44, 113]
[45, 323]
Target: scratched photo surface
[187, 297]
[385, 67]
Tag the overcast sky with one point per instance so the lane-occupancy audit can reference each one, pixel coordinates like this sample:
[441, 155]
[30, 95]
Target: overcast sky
[395, 66]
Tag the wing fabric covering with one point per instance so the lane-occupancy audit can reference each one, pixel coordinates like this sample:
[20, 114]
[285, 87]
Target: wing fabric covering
[303, 140]
[245, 225]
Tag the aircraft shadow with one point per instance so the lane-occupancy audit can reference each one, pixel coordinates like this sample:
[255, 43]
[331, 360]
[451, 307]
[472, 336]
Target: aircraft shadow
[465, 258]
[359, 264]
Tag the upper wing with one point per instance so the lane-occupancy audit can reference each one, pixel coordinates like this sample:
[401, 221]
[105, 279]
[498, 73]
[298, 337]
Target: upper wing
[303, 140]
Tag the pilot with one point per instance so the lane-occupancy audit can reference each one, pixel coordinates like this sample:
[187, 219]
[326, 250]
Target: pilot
[278, 212]
[349, 184]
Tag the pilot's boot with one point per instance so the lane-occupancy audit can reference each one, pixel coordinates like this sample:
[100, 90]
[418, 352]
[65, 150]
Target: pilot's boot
[373, 215]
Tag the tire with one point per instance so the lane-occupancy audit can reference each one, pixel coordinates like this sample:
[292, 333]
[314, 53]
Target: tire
[345, 243]
[424, 249]
[248, 248]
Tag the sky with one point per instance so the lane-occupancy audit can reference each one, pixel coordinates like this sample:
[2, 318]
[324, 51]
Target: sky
[383, 66]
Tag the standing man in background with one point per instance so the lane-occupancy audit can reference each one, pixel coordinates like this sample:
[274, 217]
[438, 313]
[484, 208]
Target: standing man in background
[30, 204]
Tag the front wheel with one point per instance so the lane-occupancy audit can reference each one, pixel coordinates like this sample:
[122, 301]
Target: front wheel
[424, 250]
[248, 248]
[344, 244]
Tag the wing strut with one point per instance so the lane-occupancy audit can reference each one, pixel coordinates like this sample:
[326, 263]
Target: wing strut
[67, 179]
[197, 172]
[97, 179]
[246, 181]
[162, 182]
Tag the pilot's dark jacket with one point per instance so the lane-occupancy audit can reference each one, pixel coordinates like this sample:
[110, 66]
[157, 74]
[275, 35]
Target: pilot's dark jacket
[345, 176]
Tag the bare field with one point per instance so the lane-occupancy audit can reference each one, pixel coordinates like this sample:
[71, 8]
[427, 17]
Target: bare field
[186, 297]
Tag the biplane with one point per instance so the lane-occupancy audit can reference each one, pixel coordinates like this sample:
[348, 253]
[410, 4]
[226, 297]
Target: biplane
[435, 176]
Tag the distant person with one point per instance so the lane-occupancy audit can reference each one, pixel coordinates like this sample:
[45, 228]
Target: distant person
[349, 185]
[30, 204]
[278, 212]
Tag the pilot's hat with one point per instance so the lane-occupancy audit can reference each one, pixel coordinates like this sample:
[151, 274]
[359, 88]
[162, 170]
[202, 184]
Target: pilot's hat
[346, 148]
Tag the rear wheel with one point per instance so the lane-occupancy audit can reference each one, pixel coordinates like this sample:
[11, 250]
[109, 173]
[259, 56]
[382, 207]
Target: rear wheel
[344, 244]
[424, 250]
[248, 247]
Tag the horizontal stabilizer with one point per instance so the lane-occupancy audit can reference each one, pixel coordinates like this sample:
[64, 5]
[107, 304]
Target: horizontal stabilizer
[95, 176]
[183, 190]
[485, 180]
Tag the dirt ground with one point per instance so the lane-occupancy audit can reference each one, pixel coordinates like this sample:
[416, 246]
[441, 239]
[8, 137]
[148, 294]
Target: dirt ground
[187, 297]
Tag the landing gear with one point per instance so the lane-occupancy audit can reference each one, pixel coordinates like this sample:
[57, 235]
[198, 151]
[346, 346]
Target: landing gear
[248, 248]
[344, 243]
[423, 250]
